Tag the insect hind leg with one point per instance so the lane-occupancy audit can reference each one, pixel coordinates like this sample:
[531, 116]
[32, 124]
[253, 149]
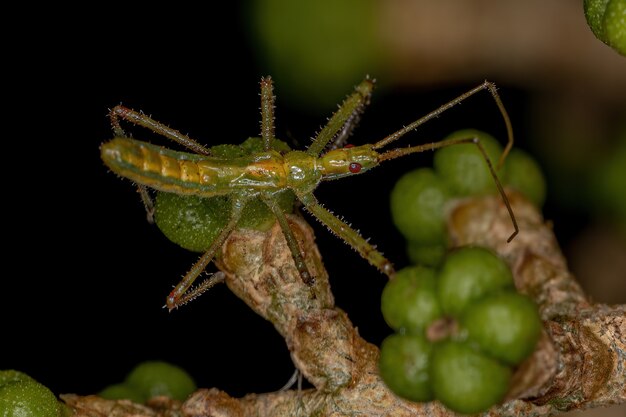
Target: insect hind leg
[120, 112]
[347, 234]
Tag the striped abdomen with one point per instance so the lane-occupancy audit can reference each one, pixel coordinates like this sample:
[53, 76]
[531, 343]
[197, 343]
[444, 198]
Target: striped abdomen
[185, 173]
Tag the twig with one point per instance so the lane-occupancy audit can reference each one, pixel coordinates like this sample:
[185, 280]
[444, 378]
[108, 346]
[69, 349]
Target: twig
[579, 363]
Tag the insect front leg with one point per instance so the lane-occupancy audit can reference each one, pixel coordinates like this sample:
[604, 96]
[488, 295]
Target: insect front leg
[181, 294]
[347, 234]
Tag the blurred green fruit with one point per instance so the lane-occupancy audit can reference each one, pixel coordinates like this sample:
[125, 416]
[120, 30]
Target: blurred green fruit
[464, 167]
[427, 255]
[155, 378]
[523, 173]
[122, 391]
[315, 48]
[409, 301]
[417, 207]
[404, 366]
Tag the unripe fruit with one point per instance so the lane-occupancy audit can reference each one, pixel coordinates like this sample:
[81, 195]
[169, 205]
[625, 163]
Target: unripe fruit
[409, 301]
[464, 167]
[522, 173]
[468, 274]
[154, 378]
[465, 380]
[505, 325]
[404, 366]
[22, 396]
[417, 206]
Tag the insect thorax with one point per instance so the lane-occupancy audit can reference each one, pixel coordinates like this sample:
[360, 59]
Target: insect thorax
[302, 171]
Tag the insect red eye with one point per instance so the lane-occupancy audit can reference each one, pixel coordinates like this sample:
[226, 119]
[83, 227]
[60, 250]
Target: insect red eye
[349, 145]
[354, 167]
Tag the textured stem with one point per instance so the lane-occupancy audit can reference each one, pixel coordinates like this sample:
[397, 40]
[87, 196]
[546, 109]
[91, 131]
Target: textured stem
[580, 362]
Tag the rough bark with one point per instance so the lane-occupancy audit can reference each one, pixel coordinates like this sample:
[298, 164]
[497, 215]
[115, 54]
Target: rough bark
[580, 361]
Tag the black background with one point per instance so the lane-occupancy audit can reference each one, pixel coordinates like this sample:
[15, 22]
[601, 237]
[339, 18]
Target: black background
[85, 275]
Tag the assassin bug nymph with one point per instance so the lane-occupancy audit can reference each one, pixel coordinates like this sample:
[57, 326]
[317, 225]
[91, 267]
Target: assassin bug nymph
[263, 174]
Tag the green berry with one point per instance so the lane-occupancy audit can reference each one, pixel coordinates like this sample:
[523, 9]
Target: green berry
[258, 216]
[609, 180]
[254, 145]
[607, 20]
[22, 396]
[194, 222]
[325, 42]
[427, 255]
[466, 381]
[523, 173]
[464, 167]
[594, 13]
[122, 391]
[469, 273]
[505, 325]
[10, 376]
[404, 366]
[190, 221]
[615, 25]
[409, 301]
[417, 206]
[155, 378]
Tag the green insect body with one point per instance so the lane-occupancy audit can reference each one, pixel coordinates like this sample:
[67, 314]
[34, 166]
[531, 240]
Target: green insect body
[264, 174]
[191, 174]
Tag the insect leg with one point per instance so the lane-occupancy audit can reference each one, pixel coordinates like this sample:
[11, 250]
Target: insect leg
[347, 113]
[207, 284]
[292, 242]
[347, 234]
[179, 294]
[486, 85]
[267, 112]
[120, 112]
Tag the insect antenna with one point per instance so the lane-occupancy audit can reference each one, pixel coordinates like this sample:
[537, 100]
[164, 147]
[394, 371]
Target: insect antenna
[398, 152]
[487, 85]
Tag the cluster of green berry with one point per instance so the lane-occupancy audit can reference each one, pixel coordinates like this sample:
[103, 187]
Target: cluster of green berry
[461, 328]
[606, 18]
[23, 396]
[419, 197]
[151, 379]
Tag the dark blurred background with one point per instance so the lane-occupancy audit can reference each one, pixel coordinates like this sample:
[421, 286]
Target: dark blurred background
[86, 275]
